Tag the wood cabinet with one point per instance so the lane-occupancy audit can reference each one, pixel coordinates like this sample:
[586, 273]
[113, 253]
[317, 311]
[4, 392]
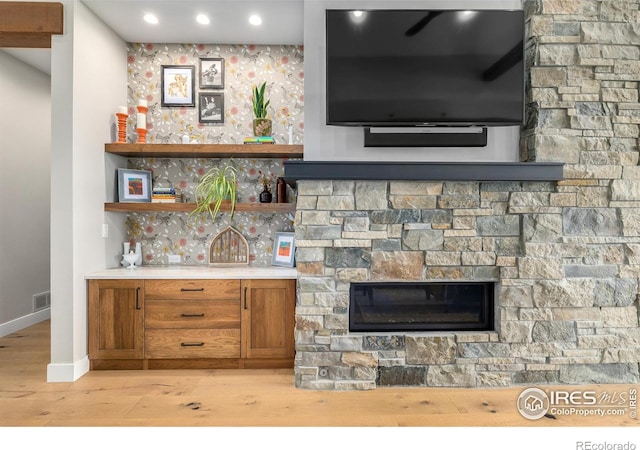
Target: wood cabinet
[191, 323]
[268, 318]
[192, 319]
[116, 320]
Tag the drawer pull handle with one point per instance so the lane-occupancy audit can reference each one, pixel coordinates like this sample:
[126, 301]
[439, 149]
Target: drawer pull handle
[192, 344]
[137, 298]
[245, 297]
[192, 289]
[192, 315]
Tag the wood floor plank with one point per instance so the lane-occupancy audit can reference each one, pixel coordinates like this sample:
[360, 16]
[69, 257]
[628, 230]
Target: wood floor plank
[240, 398]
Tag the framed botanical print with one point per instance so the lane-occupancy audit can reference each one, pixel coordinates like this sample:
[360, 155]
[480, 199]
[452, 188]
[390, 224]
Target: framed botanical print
[211, 73]
[177, 84]
[211, 107]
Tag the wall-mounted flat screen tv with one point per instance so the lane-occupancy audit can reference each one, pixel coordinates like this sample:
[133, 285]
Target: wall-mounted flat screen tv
[424, 67]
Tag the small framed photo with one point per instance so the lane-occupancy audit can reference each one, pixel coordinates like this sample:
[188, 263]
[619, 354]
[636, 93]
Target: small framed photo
[177, 84]
[134, 185]
[284, 249]
[211, 107]
[211, 73]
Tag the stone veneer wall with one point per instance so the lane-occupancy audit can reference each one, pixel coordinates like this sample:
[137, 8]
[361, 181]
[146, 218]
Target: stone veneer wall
[566, 255]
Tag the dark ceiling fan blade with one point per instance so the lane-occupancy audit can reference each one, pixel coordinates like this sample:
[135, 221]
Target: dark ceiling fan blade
[415, 29]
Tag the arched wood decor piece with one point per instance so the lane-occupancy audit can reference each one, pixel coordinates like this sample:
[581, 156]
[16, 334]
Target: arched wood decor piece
[229, 248]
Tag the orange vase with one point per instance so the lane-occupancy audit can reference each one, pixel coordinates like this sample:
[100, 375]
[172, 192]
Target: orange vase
[142, 135]
[122, 128]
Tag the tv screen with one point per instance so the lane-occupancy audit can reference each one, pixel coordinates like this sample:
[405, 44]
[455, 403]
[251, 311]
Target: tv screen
[425, 67]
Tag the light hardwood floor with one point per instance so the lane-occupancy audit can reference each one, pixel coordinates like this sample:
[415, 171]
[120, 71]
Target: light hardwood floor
[240, 398]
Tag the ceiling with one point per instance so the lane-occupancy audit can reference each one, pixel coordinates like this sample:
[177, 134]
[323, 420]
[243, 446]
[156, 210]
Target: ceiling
[282, 23]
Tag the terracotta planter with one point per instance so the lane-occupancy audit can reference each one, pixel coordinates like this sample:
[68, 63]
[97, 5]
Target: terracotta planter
[262, 127]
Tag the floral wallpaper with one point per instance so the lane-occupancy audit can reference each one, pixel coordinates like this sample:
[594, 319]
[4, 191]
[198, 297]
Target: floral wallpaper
[245, 66]
[178, 233]
[173, 233]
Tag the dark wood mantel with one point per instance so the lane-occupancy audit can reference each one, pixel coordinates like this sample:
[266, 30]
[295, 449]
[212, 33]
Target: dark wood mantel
[415, 171]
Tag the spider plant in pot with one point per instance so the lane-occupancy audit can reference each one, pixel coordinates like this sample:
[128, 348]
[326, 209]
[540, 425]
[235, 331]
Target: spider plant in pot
[216, 185]
[261, 125]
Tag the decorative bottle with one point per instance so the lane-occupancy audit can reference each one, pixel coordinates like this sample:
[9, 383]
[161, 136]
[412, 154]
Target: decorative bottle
[265, 195]
[281, 190]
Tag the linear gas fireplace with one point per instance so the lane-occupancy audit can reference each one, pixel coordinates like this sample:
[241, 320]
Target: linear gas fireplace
[421, 306]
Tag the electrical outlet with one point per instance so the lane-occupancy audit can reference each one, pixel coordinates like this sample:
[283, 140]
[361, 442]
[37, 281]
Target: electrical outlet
[105, 230]
[174, 259]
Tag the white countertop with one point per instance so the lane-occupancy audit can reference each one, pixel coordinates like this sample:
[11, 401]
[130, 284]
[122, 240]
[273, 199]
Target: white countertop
[195, 272]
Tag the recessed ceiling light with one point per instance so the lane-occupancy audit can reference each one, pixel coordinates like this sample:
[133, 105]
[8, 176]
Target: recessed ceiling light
[150, 18]
[255, 20]
[202, 19]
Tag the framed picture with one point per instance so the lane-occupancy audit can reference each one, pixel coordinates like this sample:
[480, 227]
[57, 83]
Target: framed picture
[211, 73]
[211, 107]
[284, 249]
[134, 185]
[177, 86]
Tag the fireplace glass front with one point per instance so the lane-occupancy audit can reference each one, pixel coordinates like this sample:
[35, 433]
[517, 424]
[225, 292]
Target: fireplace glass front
[421, 306]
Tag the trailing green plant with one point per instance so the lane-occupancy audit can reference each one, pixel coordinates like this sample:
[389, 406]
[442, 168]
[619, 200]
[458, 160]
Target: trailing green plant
[260, 102]
[216, 185]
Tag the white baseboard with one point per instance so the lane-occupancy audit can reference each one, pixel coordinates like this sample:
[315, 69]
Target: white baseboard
[24, 322]
[67, 373]
[55, 372]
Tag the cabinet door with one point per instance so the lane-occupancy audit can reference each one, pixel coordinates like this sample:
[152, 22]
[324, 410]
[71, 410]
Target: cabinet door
[116, 319]
[268, 318]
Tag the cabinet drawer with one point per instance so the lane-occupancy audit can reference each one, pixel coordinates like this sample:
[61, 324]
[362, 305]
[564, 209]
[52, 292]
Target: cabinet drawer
[223, 313]
[191, 289]
[175, 344]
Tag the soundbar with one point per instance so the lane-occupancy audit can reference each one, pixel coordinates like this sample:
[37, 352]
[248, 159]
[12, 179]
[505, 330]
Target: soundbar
[425, 137]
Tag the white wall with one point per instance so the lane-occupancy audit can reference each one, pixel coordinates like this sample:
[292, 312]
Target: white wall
[88, 82]
[25, 162]
[331, 143]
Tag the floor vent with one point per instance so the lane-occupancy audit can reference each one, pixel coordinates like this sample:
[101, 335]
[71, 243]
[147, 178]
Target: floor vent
[41, 301]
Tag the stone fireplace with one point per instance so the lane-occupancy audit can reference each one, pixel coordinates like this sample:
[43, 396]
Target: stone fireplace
[565, 305]
[563, 252]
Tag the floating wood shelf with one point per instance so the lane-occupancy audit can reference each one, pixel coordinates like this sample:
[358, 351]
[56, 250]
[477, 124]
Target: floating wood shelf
[206, 150]
[188, 207]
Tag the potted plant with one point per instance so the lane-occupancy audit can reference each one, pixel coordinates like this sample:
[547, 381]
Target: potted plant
[261, 124]
[216, 185]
